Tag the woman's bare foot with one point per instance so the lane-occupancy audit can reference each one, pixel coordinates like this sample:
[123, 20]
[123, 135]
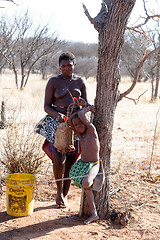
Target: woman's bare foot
[91, 219]
[61, 201]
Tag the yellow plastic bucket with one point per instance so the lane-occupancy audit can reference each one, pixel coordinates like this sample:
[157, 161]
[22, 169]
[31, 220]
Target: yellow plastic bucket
[20, 194]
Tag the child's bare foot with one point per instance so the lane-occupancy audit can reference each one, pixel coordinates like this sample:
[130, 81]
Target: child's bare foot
[91, 219]
[61, 201]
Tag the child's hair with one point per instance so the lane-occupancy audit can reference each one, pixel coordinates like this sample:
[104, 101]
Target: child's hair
[67, 56]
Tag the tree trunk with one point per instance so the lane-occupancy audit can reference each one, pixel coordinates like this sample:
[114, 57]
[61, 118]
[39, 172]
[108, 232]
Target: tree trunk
[3, 121]
[152, 86]
[111, 27]
[157, 73]
[16, 76]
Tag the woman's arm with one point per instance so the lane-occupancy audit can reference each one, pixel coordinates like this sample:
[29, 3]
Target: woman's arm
[84, 90]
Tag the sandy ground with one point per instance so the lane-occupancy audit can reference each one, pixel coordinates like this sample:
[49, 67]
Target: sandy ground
[131, 191]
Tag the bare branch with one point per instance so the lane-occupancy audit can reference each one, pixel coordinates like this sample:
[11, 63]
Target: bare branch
[146, 18]
[144, 58]
[136, 100]
[145, 9]
[87, 13]
[11, 1]
[140, 32]
[101, 19]
[10, 62]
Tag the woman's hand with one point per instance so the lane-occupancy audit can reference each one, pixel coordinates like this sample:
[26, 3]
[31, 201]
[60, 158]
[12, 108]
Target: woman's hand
[61, 117]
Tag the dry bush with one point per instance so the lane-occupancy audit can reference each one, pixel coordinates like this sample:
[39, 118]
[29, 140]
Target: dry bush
[20, 149]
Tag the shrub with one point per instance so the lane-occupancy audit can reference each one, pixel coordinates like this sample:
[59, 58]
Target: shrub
[20, 149]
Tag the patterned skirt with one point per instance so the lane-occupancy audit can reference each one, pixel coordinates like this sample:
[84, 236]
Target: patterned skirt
[47, 127]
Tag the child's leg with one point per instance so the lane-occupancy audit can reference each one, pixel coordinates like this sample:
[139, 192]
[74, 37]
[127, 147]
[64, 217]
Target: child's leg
[90, 199]
[87, 183]
[90, 176]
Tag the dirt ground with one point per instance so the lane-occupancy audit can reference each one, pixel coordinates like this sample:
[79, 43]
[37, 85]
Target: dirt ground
[49, 222]
[131, 191]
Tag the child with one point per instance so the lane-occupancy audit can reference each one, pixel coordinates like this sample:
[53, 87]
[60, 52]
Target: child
[88, 165]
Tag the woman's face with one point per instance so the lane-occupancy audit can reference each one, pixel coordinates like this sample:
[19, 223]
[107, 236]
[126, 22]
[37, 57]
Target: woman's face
[67, 67]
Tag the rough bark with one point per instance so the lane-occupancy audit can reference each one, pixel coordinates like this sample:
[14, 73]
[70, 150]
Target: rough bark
[157, 73]
[111, 24]
[3, 122]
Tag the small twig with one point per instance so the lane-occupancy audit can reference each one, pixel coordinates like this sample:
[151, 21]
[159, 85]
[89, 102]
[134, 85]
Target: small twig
[11, 1]
[115, 191]
[153, 145]
[71, 96]
[145, 9]
[10, 62]
[136, 100]
[71, 106]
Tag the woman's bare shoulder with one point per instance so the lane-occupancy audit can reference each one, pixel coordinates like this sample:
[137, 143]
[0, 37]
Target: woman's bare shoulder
[80, 79]
[53, 80]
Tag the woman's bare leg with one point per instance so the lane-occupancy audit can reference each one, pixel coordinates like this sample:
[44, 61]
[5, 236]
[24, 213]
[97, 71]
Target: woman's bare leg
[58, 169]
[70, 158]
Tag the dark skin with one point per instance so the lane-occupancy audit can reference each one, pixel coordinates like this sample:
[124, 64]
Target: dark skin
[90, 147]
[87, 134]
[57, 94]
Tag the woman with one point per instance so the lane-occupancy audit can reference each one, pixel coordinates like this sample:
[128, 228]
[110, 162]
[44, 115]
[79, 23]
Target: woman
[57, 99]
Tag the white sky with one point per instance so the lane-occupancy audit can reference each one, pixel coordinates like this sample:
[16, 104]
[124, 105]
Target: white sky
[66, 17]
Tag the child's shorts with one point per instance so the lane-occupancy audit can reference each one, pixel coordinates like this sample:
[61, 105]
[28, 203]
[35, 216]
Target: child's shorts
[79, 170]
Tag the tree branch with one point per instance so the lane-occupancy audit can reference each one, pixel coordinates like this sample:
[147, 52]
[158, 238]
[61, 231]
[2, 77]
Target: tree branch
[101, 19]
[87, 13]
[146, 20]
[11, 1]
[145, 9]
[136, 100]
[144, 58]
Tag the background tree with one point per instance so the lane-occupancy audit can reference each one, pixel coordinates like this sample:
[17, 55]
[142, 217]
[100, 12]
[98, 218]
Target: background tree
[152, 34]
[25, 45]
[132, 50]
[155, 67]
[86, 66]
[81, 49]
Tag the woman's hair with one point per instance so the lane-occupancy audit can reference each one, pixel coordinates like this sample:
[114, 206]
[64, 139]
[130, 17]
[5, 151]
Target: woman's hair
[67, 56]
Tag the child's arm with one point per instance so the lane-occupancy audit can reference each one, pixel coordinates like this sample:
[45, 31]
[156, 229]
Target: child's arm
[81, 115]
[81, 102]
